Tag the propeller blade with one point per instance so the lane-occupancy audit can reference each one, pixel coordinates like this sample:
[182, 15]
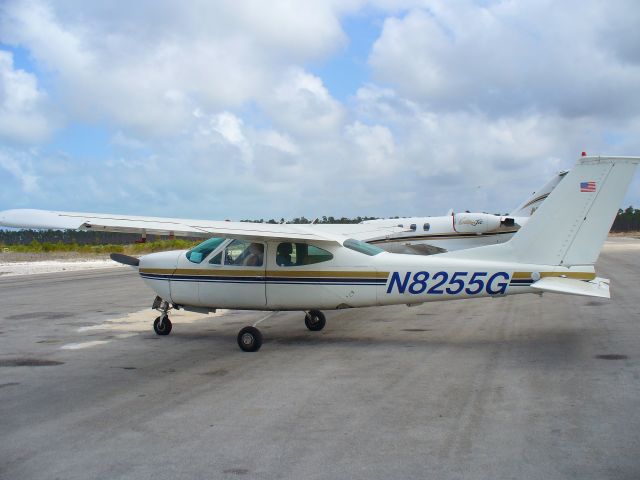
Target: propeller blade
[125, 259]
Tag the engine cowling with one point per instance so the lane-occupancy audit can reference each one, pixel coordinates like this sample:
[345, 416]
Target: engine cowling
[476, 222]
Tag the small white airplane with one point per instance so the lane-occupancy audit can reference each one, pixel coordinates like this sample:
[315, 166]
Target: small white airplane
[287, 267]
[457, 231]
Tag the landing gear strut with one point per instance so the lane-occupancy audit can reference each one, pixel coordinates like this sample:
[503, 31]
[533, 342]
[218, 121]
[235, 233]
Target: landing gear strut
[315, 320]
[162, 324]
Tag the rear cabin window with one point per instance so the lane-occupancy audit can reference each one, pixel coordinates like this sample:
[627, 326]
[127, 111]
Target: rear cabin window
[289, 254]
[426, 227]
[362, 247]
[201, 251]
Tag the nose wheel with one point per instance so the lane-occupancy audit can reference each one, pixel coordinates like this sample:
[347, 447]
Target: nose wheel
[162, 325]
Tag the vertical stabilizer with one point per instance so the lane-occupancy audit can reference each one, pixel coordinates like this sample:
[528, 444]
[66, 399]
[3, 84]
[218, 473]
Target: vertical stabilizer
[571, 225]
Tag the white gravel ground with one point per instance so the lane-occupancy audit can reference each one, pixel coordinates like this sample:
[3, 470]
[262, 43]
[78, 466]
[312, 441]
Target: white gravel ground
[8, 269]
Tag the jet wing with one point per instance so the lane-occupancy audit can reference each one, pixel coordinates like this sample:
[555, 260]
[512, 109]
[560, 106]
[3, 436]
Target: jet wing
[28, 218]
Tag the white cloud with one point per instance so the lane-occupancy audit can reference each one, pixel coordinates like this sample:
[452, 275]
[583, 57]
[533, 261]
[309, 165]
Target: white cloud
[374, 149]
[147, 66]
[466, 159]
[212, 111]
[302, 105]
[507, 57]
[23, 106]
[21, 169]
[119, 139]
[229, 127]
[278, 141]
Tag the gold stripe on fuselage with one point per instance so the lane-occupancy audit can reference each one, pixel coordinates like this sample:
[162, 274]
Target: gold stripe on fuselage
[574, 275]
[226, 272]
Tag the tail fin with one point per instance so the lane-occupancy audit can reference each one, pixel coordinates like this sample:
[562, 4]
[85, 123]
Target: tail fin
[571, 225]
[531, 204]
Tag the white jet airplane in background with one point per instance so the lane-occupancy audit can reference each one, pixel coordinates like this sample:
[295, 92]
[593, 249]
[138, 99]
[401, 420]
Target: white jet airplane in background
[457, 231]
[288, 267]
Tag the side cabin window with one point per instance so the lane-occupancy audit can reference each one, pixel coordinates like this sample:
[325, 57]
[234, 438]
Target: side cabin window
[243, 253]
[289, 254]
[426, 227]
[413, 227]
[201, 251]
[216, 259]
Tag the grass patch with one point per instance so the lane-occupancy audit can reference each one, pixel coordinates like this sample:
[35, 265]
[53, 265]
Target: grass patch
[101, 249]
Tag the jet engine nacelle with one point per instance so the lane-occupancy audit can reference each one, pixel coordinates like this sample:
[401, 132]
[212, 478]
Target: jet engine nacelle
[477, 222]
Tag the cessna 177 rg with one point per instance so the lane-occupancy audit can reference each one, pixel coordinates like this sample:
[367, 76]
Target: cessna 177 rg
[285, 267]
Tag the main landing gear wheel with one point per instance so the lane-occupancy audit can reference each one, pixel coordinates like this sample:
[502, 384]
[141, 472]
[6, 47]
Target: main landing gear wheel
[250, 339]
[162, 325]
[315, 320]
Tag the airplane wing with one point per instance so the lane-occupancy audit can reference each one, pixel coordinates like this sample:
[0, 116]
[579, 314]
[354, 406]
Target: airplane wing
[29, 218]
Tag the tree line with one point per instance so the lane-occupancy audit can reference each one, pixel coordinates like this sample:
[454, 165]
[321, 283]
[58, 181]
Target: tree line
[626, 220]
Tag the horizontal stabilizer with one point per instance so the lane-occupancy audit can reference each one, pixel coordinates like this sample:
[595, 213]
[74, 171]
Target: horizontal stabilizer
[598, 287]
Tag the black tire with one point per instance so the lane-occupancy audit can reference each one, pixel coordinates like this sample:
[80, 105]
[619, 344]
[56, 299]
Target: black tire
[162, 327]
[250, 339]
[315, 320]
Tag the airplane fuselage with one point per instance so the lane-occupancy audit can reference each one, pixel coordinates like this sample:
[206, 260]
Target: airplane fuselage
[349, 279]
[428, 235]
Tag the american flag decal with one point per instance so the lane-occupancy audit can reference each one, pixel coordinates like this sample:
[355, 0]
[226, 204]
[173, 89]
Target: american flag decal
[587, 186]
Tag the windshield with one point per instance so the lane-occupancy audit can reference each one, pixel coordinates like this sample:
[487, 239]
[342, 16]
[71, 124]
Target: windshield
[200, 252]
[362, 247]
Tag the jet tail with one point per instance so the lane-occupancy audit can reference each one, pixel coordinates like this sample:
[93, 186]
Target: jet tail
[572, 224]
[531, 204]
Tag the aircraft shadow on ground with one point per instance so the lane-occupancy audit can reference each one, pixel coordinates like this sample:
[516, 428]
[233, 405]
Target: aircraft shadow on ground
[548, 346]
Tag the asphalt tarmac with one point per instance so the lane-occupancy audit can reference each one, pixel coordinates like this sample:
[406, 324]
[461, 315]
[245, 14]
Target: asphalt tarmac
[521, 387]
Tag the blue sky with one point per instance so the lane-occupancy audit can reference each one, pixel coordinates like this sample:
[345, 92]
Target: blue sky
[271, 109]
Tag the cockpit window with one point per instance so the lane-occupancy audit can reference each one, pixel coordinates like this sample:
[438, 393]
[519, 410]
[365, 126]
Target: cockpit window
[362, 247]
[295, 254]
[200, 252]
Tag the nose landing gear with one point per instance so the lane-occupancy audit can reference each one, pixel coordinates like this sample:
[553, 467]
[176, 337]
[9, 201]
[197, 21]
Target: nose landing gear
[162, 324]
